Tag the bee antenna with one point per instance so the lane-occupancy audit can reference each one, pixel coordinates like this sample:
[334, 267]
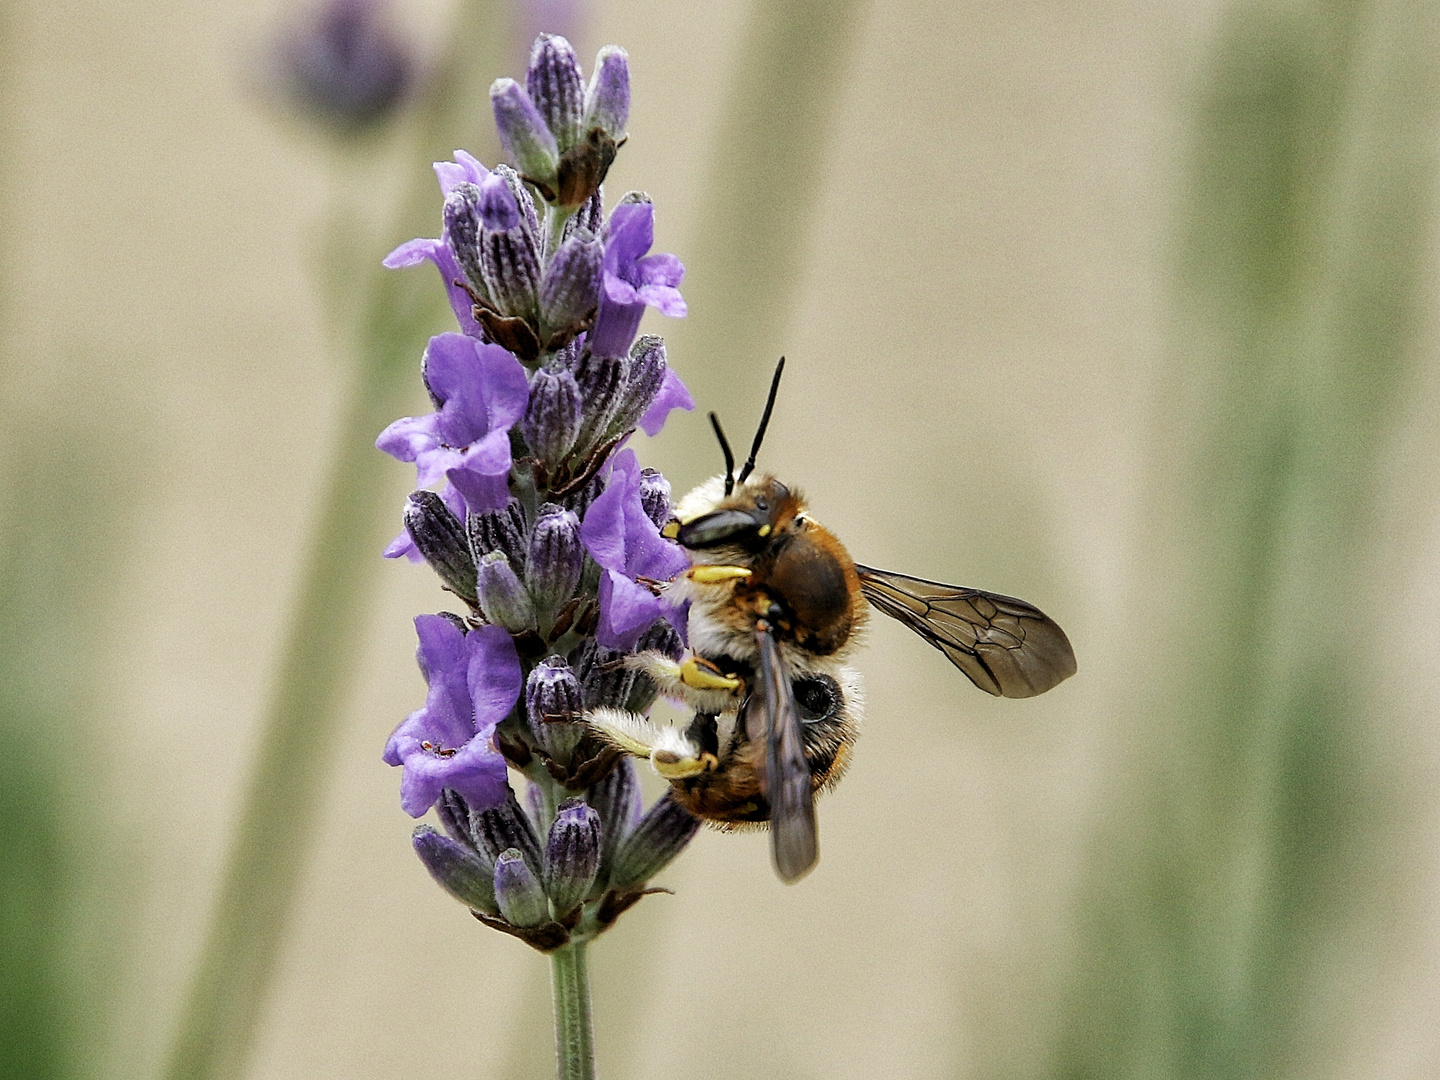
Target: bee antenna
[764, 422]
[725, 449]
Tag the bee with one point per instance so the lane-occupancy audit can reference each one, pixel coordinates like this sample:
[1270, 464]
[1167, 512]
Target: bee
[776, 609]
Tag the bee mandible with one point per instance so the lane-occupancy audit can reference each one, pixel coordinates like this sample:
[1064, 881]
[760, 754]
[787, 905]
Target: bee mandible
[776, 604]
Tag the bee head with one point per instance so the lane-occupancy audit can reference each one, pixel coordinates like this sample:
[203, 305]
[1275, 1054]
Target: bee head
[748, 518]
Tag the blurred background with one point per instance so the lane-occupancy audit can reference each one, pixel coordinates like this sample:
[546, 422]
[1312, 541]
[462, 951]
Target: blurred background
[1129, 309]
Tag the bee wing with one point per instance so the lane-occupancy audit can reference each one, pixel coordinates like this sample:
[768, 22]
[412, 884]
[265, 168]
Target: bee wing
[785, 779]
[1004, 646]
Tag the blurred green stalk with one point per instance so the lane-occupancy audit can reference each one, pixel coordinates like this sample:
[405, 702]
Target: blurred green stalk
[744, 266]
[1242, 860]
[318, 661]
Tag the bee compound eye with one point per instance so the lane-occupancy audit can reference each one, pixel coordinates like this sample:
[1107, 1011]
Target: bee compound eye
[818, 698]
[762, 503]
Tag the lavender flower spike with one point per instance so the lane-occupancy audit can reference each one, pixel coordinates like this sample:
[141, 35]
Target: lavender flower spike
[474, 681]
[632, 279]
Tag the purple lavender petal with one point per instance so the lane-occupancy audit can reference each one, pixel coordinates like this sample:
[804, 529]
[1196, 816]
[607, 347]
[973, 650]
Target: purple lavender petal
[403, 545]
[482, 491]
[603, 530]
[493, 676]
[448, 742]
[620, 291]
[661, 268]
[475, 771]
[626, 611]
[410, 253]
[463, 170]
[482, 388]
[438, 252]
[615, 325]
[672, 395]
[409, 437]
[666, 298]
[619, 534]
[632, 231]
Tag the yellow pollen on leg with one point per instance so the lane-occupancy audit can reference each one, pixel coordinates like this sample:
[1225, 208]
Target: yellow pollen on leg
[672, 766]
[714, 575]
[702, 675]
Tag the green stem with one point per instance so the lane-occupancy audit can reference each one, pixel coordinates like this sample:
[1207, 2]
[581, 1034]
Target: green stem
[574, 1040]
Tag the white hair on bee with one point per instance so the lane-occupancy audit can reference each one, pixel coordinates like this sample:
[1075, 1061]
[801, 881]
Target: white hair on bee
[700, 500]
[666, 747]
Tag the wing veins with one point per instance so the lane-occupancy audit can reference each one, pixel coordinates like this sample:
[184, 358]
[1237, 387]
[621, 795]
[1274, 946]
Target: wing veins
[1039, 658]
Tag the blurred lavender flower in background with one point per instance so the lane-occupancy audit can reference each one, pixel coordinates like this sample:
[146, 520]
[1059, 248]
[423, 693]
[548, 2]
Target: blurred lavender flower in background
[344, 63]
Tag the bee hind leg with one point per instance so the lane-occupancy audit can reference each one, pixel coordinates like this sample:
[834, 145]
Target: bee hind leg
[674, 754]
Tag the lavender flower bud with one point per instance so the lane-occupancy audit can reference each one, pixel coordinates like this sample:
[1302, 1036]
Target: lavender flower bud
[529, 221]
[503, 827]
[498, 530]
[642, 382]
[441, 538]
[502, 597]
[604, 679]
[580, 501]
[553, 704]
[590, 215]
[462, 232]
[556, 557]
[661, 637]
[616, 799]
[570, 290]
[655, 496]
[554, 84]
[572, 855]
[510, 265]
[602, 385]
[523, 132]
[518, 894]
[607, 99]
[499, 212]
[454, 814]
[552, 419]
[457, 869]
[661, 835]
